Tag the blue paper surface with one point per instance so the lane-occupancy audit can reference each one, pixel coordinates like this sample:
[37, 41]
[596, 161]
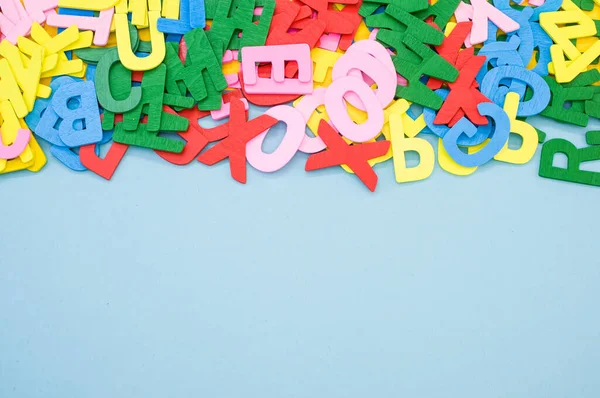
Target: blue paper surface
[179, 282]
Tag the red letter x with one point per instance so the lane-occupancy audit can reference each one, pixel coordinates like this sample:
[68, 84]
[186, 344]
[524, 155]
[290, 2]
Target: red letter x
[464, 96]
[355, 156]
[236, 133]
[450, 49]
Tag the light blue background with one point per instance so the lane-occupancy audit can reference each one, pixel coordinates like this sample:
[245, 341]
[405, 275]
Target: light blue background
[179, 282]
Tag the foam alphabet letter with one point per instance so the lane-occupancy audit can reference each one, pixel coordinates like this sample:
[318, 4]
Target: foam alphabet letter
[96, 5]
[227, 24]
[449, 165]
[355, 156]
[9, 90]
[270, 162]
[277, 56]
[575, 157]
[336, 109]
[27, 78]
[401, 145]
[482, 12]
[501, 133]
[106, 167]
[37, 8]
[528, 134]
[492, 88]
[128, 58]
[110, 72]
[87, 111]
[238, 133]
[17, 147]
[99, 25]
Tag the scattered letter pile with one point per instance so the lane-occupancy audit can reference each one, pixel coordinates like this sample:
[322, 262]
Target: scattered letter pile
[356, 82]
